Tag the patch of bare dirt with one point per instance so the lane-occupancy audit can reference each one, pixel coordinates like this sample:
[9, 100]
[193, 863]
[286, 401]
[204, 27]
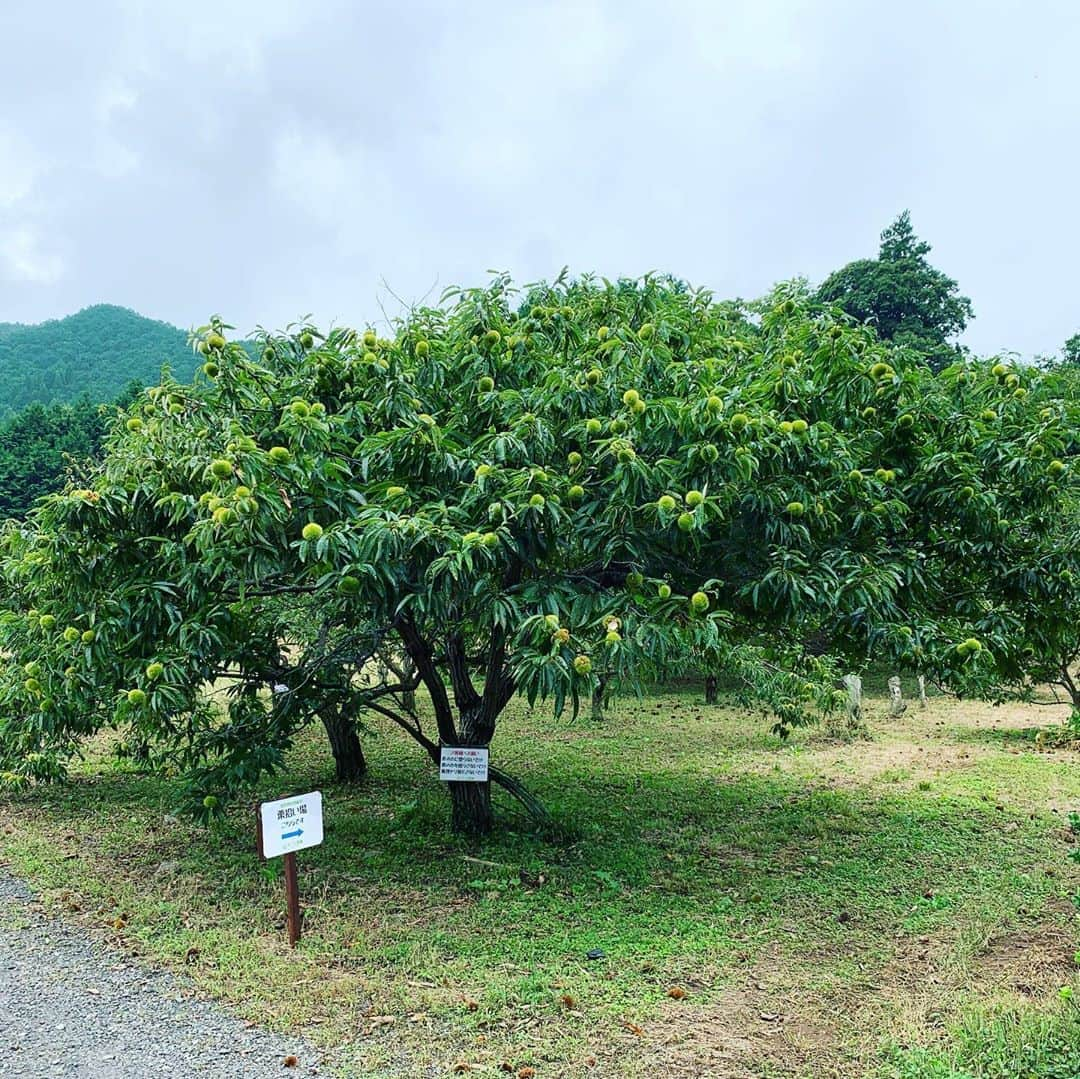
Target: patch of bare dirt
[861, 762]
[1012, 715]
[917, 745]
[768, 1026]
[1033, 962]
[735, 1035]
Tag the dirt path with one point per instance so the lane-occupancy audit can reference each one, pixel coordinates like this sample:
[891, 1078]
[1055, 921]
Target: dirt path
[71, 1008]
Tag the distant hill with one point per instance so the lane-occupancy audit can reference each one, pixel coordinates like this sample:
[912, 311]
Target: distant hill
[95, 353]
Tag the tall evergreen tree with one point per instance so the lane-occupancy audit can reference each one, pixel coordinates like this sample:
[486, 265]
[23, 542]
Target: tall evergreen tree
[1070, 353]
[907, 300]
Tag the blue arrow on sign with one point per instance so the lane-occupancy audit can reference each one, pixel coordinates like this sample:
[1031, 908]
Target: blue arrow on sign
[293, 835]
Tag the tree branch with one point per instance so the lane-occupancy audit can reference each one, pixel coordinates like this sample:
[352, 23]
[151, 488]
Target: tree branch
[420, 652]
[516, 789]
[465, 696]
[415, 733]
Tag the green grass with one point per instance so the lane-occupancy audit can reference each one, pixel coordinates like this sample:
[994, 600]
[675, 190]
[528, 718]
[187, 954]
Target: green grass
[864, 895]
[1000, 1044]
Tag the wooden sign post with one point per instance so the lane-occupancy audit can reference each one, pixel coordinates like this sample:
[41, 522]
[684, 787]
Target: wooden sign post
[284, 827]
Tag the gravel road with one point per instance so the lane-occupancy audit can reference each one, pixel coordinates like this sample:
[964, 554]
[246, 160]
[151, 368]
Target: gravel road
[69, 1007]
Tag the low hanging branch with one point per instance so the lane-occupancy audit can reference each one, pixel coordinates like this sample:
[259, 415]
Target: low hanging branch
[532, 805]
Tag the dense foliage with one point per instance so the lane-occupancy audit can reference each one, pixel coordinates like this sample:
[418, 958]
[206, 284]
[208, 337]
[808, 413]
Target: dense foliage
[905, 298]
[589, 484]
[95, 353]
[40, 444]
[1070, 353]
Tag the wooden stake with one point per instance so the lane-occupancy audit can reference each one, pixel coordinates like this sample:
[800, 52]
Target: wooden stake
[292, 898]
[292, 887]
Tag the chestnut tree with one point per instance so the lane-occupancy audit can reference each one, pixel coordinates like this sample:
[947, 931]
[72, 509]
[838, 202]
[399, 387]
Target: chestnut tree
[527, 493]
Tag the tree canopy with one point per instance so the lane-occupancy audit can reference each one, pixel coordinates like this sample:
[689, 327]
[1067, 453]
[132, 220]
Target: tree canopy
[95, 353]
[529, 493]
[1070, 352]
[906, 299]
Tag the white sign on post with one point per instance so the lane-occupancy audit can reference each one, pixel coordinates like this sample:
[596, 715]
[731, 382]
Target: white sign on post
[291, 824]
[461, 764]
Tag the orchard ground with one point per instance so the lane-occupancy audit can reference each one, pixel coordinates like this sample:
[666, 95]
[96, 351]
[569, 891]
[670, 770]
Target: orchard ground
[902, 907]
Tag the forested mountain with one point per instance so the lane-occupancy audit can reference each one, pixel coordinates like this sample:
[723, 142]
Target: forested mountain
[95, 353]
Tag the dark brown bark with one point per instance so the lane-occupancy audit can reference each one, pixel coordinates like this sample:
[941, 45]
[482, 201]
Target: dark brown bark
[1070, 685]
[465, 696]
[420, 653]
[710, 689]
[476, 713]
[349, 762]
[471, 803]
[516, 789]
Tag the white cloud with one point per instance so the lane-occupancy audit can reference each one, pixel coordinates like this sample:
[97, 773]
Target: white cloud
[25, 261]
[19, 168]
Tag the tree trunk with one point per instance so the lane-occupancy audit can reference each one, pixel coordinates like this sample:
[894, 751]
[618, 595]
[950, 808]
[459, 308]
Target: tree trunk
[349, 760]
[598, 701]
[1071, 685]
[710, 689]
[471, 808]
[408, 696]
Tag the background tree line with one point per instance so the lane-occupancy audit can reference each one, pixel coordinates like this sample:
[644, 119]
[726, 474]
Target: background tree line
[38, 445]
[62, 380]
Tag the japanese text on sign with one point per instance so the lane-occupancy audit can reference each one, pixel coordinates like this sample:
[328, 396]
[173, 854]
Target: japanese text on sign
[462, 764]
[291, 824]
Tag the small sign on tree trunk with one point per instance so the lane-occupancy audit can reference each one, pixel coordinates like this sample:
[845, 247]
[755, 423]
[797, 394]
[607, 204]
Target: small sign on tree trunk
[463, 764]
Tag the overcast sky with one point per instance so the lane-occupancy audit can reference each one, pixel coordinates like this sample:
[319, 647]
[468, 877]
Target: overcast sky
[271, 158]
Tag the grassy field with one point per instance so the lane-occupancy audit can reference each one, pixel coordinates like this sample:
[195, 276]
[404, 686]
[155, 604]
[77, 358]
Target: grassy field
[897, 908]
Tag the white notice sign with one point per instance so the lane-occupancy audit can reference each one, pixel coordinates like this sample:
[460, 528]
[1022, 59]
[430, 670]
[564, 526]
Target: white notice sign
[460, 764]
[291, 824]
